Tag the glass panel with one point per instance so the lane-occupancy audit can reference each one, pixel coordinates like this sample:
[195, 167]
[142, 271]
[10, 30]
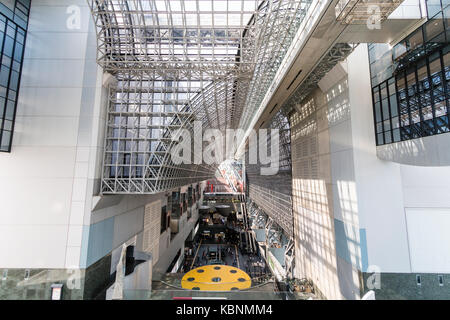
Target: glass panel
[396, 134]
[401, 86]
[440, 108]
[435, 65]
[433, 7]
[442, 124]
[427, 128]
[399, 50]
[394, 107]
[385, 109]
[391, 88]
[6, 137]
[379, 127]
[376, 96]
[411, 81]
[446, 59]
[447, 19]
[416, 39]
[387, 137]
[427, 113]
[404, 120]
[380, 139]
[405, 133]
[415, 116]
[434, 27]
[422, 74]
[395, 123]
[387, 125]
[377, 112]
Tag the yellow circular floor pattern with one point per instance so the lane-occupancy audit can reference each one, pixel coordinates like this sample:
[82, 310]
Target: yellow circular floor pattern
[216, 278]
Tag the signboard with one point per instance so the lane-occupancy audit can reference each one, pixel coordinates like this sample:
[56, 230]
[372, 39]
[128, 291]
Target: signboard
[56, 291]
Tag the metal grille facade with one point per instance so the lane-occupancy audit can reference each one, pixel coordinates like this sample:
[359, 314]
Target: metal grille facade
[273, 193]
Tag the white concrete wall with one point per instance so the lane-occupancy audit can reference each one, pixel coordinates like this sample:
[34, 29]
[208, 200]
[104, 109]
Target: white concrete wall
[426, 152]
[387, 191]
[324, 196]
[51, 216]
[168, 253]
[429, 239]
[378, 183]
[356, 203]
[116, 220]
[45, 179]
[113, 224]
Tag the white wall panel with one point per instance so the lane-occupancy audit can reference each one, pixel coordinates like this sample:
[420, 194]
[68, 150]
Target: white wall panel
[378, 183]
[29, 246]
[43, 73]
[40, 221]
[46, 102]
[38, 162]
[35, 202]
[429, 239]
[426, 186]
[45, 131]
[341, 137]
[127, 225]
[73, 257]
[57, 45]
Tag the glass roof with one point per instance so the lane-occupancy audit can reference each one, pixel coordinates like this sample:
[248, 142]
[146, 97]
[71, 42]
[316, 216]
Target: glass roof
[176, 34]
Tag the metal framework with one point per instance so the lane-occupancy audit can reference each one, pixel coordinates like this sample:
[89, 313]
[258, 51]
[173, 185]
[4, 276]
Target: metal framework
[277, 37]
[411, 94]
[338, 53]
[180, 61]
[276, 203]
[281, 122]
[275, 235]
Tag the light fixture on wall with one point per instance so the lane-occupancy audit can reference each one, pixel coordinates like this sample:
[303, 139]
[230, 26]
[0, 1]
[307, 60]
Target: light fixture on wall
[57, 290]
[418, 280]
[441, 280]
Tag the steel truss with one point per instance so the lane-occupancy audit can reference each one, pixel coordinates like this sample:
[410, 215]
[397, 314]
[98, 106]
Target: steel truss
[339, 52]
[177, 62]
[281, 122]
[275, 235]
[276, 203]
[277, 37]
